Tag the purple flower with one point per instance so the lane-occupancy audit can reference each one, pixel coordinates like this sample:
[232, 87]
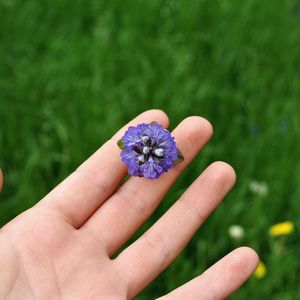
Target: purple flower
[148, 150]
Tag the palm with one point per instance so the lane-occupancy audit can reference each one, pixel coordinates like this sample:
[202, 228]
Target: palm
[62, 247]
[56, 259]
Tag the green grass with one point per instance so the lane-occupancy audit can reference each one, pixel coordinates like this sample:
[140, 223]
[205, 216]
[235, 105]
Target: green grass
[73, 72]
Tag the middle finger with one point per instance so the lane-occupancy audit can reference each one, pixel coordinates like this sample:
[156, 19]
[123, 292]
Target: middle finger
[116, 221]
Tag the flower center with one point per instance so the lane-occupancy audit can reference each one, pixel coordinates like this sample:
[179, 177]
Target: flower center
[148, 150]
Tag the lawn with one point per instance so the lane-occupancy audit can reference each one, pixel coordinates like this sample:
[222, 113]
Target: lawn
[73, 72]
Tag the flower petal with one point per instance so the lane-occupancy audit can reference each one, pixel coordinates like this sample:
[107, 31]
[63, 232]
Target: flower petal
[283, 228]
[260, 271]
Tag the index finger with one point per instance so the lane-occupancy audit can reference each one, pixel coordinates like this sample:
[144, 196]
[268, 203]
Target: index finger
[83, 192]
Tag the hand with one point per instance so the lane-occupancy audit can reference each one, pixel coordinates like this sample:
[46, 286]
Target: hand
[62, 247]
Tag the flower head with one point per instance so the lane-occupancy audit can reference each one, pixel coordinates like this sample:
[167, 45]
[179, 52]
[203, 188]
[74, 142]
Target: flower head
[148, 150]
[259, 188]
[236, 232]
[260, 271]
[283, 228]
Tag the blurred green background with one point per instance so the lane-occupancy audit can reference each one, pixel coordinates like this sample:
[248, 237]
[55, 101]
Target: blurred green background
[73, 72]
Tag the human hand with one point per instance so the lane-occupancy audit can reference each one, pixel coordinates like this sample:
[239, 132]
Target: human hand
[62, 247]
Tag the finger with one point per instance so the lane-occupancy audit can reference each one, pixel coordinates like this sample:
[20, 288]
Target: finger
[142, 261]
[1, 180]
[220, 280]
[135, 201]
[78, 196]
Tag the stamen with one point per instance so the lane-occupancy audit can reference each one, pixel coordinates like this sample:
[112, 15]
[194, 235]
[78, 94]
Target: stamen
[145, 138]
[159, 152]
[141, 158]
[146, 150]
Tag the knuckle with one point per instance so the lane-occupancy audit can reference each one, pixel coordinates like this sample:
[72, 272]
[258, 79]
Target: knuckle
[190, 206]
[157, 242]
[131, 197]
[89, 179]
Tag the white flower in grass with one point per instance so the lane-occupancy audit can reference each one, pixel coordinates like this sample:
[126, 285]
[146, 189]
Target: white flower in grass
[259, 188]
[236, 232]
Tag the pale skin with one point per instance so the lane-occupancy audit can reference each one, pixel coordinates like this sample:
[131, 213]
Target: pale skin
[62, 248]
